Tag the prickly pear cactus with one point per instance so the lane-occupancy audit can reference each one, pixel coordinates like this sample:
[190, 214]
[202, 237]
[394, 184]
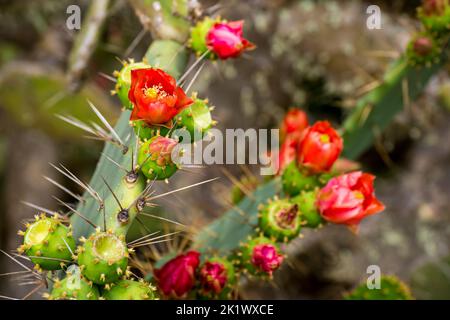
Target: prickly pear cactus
[89, 244]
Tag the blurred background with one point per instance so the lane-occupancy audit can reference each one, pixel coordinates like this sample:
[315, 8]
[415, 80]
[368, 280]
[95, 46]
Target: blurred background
[316, 55]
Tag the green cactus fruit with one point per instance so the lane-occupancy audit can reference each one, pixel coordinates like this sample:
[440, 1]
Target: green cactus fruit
[155, 159]
[279, 220]
[423, 50]
[197, 41]
[196, 119]
[435, 16]
[124, 81]
[260, 256]
[73, 287]
[130, 290]
[391, 288]
[294, 180]
[217, 278]
[48, 243]
[146, 132]
[103, 258]
[309, 215]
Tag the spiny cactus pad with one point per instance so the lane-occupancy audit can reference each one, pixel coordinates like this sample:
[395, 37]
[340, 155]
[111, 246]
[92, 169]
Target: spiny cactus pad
[391, 288]
[48, 243]
[280, 220]
[103, 258]
[73, 287]
[130, 290]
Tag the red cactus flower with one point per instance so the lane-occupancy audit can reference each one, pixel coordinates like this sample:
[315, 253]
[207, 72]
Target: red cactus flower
[226, 41]
[155, 96]
[266, 258]
[213, 277]
[177, 276]
[320, 147]
[293, 123]
[349, 198]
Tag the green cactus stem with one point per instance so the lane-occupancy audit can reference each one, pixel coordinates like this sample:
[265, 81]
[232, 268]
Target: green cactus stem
[48, 243]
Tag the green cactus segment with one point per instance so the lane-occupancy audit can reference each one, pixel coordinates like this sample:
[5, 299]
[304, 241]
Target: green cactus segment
[74, 287]
[103, 258]
[309, 214]
[280, 220]
[172, 57]
[423, 50]
[437, 22]
[168, 55]
[295, 181]
[155, 160]
[146, 132]
[229, 284]
[197, 41]
[196, 119]
[48, 243]
[247, 253]
[236, 225]
[124, 82]
[391, 288]
[130, 290]
[375, 111]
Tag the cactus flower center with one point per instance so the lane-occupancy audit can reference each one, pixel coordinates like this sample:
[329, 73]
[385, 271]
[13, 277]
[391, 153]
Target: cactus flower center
[109, 247]
[286, 217]
[38, 231]
[324, 138]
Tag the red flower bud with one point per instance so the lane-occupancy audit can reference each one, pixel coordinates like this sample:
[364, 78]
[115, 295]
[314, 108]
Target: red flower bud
[320, 147]
[155, 96]
[294, 122]
[423, 46]
[226, 41]
[177, 276]
[349, 198]
[434, 7]
[213, 277]
[266, 258]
